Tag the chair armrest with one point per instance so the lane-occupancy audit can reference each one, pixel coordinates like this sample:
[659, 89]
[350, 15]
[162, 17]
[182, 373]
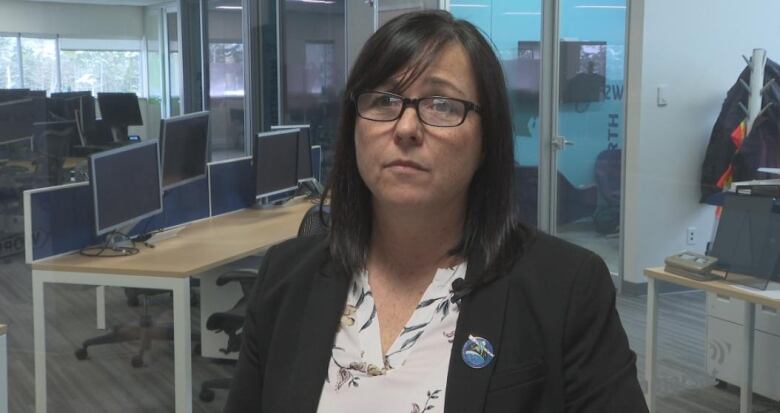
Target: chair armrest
[236, 275]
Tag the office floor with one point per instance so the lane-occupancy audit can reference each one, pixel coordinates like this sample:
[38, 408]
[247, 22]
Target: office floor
[107, 383]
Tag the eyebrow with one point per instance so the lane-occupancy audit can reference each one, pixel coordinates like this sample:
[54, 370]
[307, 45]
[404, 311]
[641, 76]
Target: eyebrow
[439, 81]
[435, 81]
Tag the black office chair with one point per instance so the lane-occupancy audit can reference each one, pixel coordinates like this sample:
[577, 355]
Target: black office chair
[573, 202]
[145, 331]
[231, 322]
[607, 173]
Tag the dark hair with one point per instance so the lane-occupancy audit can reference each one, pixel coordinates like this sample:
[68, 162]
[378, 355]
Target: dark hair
[413, 41]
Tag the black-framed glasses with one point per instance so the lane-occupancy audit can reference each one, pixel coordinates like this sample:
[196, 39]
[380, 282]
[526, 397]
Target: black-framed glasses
[433, 110]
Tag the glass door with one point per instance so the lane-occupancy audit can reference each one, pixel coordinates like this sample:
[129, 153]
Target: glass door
[586, 136]
[173, 62]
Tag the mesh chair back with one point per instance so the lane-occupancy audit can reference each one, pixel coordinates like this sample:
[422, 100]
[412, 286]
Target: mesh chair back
[314, 222]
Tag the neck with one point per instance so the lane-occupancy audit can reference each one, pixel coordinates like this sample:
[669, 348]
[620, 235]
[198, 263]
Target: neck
[411, 241]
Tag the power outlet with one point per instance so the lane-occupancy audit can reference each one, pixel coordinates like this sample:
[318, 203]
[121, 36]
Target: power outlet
[690, 236]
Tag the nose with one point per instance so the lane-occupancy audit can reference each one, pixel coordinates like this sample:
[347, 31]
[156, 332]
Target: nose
[408, 128]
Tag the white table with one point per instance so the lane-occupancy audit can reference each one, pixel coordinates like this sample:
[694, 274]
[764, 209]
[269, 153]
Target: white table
[201, 246]
[722, 288]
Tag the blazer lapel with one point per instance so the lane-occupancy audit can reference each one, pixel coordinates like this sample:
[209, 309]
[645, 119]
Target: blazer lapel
[317, 330]
[481, 315]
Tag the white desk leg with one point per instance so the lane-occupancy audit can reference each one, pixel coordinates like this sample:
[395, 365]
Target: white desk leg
[39, 332]
[651, 343]
[100, 292]
[746, 392]
[3, 374]
[182, 346]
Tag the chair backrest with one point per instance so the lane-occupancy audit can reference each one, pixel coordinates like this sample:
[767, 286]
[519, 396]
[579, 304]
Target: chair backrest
[607, 174]
[314, 222]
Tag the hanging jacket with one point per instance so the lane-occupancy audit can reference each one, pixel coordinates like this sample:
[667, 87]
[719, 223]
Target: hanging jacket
[725, 139]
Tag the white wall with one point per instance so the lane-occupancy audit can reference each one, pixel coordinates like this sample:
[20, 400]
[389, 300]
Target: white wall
[695, 48]
[77, 20]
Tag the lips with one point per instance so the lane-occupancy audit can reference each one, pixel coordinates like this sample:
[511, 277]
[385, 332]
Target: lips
[406, 164]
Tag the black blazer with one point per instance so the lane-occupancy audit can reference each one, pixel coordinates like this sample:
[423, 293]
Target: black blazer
[557, 338]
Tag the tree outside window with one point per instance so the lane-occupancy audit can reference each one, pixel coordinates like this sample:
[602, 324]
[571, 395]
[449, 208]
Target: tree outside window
[39, 63]
[101, 71]
[9, 63]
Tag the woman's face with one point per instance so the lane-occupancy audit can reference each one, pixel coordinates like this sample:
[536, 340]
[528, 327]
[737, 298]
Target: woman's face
[408, 163]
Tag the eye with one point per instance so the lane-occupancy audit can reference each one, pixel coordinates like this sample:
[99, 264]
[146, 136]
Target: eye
[379, 101]
[441, 105]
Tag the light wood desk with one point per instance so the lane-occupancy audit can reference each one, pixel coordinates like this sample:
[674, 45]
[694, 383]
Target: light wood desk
[723, 288]
[3, 369]
[201, 246]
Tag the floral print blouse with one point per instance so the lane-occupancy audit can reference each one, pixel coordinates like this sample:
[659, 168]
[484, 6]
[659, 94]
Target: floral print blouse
[412, 376]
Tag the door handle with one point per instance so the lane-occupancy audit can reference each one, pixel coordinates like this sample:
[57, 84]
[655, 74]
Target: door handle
[559, 142]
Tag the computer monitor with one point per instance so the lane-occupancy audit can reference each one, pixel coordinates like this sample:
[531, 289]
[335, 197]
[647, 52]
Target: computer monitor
[583, 71]
[276, 162]
[16, 119]
[9, 95]
[305, 172]
[747, 241]
[51, 145]
[126, 187]
[184, 142]
[120, 110]
[77, 106]
[523, 73]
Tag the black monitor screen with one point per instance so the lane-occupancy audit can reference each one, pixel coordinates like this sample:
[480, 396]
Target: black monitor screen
[74, 106]
[54, 139]
[16, 119]
[583, 71]
[120, 109]
[522, 74]
[304, 150]
[125, 185]
[8, 95]
[747, 238]
[184, 141]
[275, 158]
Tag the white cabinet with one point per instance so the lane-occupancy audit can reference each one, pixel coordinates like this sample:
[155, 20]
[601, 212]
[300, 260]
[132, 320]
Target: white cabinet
[724, 338]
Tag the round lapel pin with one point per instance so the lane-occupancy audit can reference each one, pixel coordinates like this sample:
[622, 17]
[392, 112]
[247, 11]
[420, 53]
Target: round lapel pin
[477, 352]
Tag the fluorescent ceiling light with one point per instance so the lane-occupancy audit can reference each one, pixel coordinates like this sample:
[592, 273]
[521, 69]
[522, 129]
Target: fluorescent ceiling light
[469, 5]
[318, 1]
[599, 7]
[523, 13]
[229, 7]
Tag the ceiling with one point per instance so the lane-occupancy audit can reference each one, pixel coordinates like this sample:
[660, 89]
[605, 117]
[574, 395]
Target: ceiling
[107, 2]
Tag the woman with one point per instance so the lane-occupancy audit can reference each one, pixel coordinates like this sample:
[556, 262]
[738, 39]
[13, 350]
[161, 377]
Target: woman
[427, 294]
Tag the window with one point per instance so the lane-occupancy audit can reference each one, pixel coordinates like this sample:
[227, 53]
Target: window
[226, 63]
[101, 71]
[319, 67]
[9, 63]
[39, 63]
[96, 65]
[101, 65]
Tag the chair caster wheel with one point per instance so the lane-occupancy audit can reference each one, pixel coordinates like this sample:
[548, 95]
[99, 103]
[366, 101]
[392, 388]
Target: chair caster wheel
[137, 361]
[206, 395]
[81, 354]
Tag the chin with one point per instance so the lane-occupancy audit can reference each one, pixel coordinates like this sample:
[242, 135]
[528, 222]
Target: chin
[404, 198]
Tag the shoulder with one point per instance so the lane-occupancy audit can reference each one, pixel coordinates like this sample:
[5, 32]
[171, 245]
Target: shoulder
[552, 254]
[553, 272]
[301, 255]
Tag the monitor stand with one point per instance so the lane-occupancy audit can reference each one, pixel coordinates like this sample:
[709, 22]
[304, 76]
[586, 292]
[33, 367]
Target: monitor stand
[117, 241]
[267, 202]
[119, 133]
[313, 186]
